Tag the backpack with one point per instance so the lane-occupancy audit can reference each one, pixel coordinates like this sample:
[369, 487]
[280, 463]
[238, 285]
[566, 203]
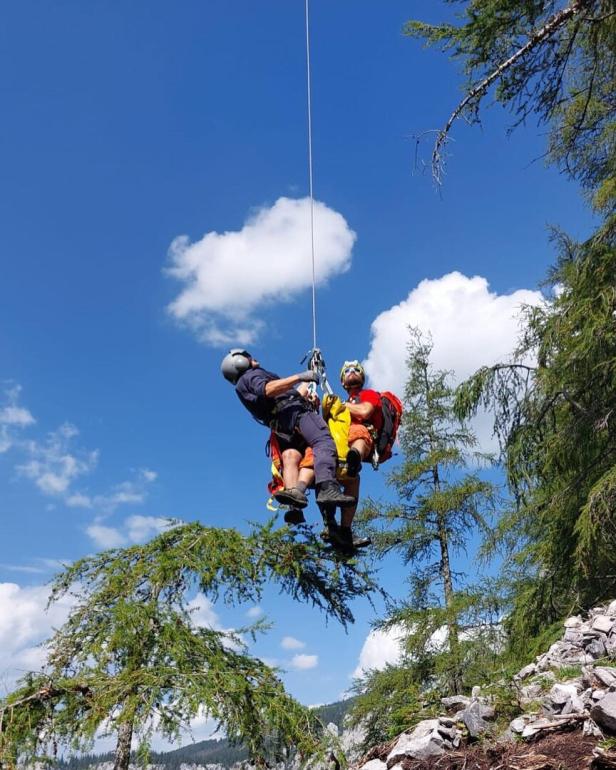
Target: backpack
[391, 409]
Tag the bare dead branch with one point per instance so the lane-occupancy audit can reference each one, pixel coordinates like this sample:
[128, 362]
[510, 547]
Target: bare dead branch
[552, 25]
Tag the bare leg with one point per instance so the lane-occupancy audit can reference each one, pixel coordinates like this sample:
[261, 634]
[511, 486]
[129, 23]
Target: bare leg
[291, 459]
[305, 478]
[362, 447]
[347, 514]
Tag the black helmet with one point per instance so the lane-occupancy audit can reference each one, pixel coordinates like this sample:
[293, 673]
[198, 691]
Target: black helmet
[234, 364]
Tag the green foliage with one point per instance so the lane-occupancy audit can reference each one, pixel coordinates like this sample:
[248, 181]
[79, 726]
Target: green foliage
[555, 60]
[564, 673]
[131, 660]
[450, 631]
[208, 752]
[389, 702]
[558, 437]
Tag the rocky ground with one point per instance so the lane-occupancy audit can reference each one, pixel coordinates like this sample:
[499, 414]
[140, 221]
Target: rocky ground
[567, 719]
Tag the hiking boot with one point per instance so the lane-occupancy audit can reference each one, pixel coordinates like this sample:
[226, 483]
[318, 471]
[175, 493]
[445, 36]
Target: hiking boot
[330, 525]
[293, 497]
[330, 494]
[353, 463]
[294, 516]
[342, 540]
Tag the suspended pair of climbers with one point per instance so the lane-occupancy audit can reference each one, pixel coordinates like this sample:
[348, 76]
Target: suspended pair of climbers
[302, 441]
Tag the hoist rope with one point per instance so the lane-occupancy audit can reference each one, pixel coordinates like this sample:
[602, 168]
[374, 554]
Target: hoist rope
[310, 175]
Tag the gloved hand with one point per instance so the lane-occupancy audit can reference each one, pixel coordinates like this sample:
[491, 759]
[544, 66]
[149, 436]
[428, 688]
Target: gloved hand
[308, 376]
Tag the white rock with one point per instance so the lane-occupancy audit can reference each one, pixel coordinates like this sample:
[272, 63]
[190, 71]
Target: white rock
[332, 729]
[574, 622]
[574, 706]
[429, 738]
[561, 693]
[611, 610]
[455, 702]
[596, 648]
[592, 728]
[531, 691]
[598, 694]
[375, 764]
[526, 671]
[476, 691]
[604, 712]
[606, 675]
[602, 623]
[517, 725]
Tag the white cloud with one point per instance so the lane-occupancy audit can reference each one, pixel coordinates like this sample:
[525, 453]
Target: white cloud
[53, 465]
[130, 492]
[13, 418]
[379, 649]
[229, 277]
[291, 643]
[303, 662]
[40, 566]
[24, 624]
[203, 613]
[78, 500]
[140, 528]
[106, 537]
[254, 612]
[135, 529]
[470, 327]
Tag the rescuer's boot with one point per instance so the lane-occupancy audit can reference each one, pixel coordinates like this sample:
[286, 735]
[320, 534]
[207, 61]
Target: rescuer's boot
[353, 462]
[329, 493]
[294, 516]
[293, 497]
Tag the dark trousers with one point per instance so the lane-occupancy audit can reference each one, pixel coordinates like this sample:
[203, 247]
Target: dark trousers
[314, 431]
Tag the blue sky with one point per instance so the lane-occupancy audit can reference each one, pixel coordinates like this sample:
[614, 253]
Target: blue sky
[126, 126]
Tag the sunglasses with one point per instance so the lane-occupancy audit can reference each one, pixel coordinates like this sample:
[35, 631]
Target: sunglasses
[348, 369]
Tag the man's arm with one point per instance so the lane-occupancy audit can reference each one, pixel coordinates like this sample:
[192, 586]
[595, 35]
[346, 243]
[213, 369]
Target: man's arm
[364, 410]
[277, 387]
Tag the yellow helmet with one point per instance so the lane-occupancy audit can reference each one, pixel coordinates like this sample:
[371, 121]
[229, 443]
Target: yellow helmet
[355, 366]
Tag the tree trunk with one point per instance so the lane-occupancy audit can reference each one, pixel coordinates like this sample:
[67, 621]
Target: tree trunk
[452, 626]
[122, 752]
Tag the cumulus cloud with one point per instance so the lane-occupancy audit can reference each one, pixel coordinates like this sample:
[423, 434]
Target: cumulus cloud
[303, 662]
[469, 324]
[135, 529]
[470, 327]
[379, 649]
[13, 417]
[24, 624]
[291, 643]
[254, 612]
[229, 277]
[54, 464]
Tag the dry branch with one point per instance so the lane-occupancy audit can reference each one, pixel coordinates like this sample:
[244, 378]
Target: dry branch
[554, 23]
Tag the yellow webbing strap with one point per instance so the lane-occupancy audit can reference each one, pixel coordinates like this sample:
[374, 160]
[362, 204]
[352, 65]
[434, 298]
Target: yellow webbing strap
[338, 420]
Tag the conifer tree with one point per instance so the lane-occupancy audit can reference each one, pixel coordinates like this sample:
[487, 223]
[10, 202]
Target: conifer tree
[555, 419]
[441, 508]
[551, 59]
[130, 660]
[553, 400]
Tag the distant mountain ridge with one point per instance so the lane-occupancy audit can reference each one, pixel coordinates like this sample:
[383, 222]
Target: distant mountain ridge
[210, 752]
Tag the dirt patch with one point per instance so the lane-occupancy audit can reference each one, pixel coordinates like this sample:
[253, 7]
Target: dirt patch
[560, 751]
